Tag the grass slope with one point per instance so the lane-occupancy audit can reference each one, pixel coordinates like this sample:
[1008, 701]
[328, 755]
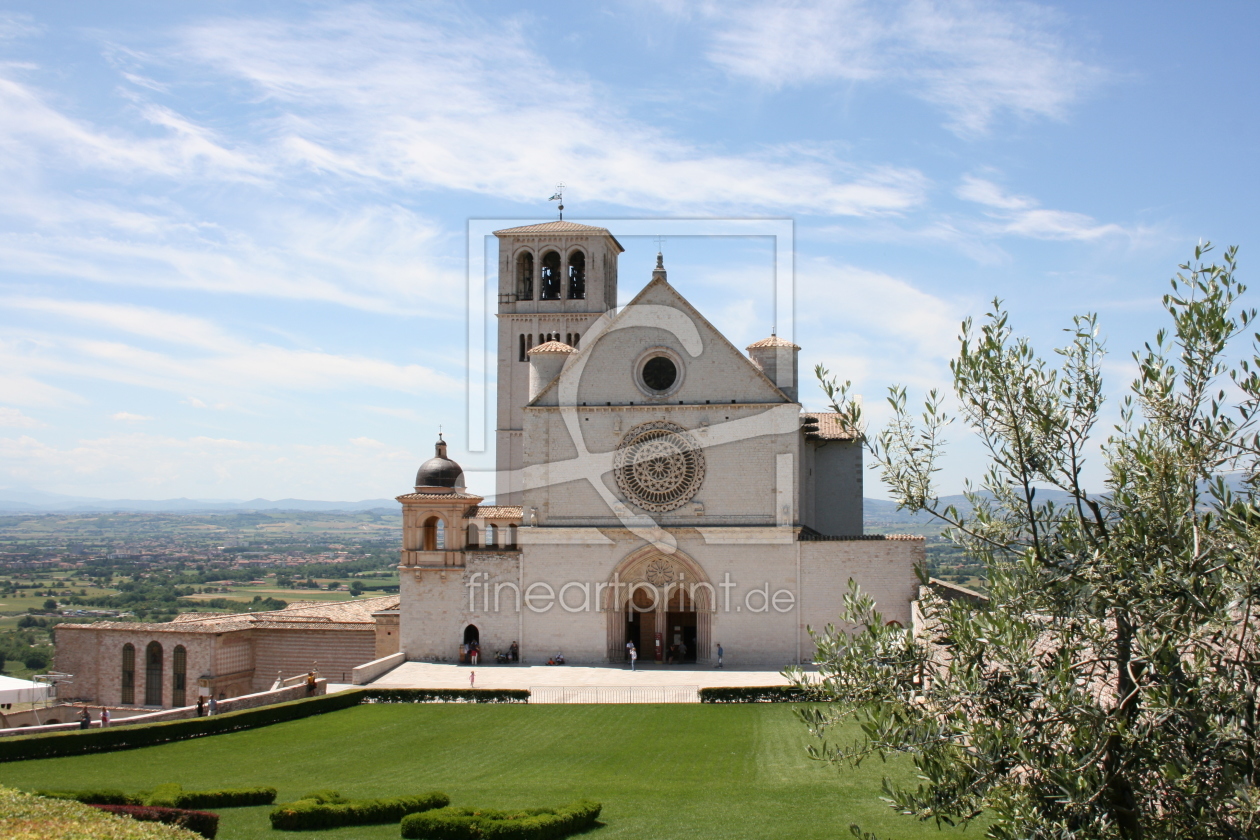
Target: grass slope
[680, 771]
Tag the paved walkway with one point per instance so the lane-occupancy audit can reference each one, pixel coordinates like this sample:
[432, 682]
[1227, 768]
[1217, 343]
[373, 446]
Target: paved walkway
[433, 675]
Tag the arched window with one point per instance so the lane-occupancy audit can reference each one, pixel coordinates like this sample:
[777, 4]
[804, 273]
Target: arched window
[521, 355]
[549, 278]
[492, 536]
[179, 676]
[129, 674]
[576, 338]
[472, 535]
[434, 535]
[472, 636]
[153, 674]
[577, 276]
[511, 536]
[525, 276]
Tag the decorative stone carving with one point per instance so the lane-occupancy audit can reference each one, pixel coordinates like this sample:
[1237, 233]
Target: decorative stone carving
[658, 467]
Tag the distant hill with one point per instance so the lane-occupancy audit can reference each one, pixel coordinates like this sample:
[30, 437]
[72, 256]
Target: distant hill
[17, 500]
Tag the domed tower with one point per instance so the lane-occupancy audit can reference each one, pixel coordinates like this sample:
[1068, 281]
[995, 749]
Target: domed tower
[439, 474]
[433, 516]
[555, 280]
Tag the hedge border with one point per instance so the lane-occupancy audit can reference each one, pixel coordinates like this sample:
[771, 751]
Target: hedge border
[522, 824]
[329, 811]
[445, 695]
[82, 742]
[754, 694]
[202, 822]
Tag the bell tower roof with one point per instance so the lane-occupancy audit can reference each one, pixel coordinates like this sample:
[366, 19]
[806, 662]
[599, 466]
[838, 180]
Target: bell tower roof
[546, 228]
[439, 474]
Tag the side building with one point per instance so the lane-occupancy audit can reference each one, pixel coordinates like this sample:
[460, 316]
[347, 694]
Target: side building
[167, 665]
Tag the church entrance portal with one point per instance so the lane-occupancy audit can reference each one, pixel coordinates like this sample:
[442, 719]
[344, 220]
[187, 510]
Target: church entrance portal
[663, 609]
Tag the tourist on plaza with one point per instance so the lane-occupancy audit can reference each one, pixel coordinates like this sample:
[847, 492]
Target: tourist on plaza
[310, 682]
[85, 718]
[201, 705]
[214, 705]
[719, 665]
[634, 655]
[104, 717]
[472, 679]
[474, 653]
[515, 652]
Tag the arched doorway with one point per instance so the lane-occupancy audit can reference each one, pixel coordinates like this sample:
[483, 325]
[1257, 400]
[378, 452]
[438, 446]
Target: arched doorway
[663, 604]
[472, 641]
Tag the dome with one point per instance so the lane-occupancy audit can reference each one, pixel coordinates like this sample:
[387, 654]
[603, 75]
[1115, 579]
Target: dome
[439, 472]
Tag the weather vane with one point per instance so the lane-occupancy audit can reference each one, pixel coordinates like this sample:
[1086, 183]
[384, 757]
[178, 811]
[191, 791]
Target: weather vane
[559, 196]
[660, 243]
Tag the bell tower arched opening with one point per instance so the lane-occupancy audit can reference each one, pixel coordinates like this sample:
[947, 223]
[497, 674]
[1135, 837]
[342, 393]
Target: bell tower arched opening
[525, 276]
[549, 277]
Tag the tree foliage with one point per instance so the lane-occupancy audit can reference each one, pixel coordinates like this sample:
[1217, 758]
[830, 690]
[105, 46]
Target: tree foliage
[1109, 687]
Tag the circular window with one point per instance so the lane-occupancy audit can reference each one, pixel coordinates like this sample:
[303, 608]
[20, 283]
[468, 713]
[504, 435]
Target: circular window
[658, 466]
[660, 373]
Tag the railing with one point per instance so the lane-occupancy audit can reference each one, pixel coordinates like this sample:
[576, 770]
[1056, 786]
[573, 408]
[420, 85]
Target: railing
[614, 694]
[232, 704]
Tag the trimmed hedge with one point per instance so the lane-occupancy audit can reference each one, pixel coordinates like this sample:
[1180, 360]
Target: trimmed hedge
[207, 825]
[484, 824]
[81, 742]
[104, 796]
[445, 695]
[170, 795]
[314, 814]
[754, 694]
[27, 817]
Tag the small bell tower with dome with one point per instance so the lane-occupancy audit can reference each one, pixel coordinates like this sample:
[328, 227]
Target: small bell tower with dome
[434, 515]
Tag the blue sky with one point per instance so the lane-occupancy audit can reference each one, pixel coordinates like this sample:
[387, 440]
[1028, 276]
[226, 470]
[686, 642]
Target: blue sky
[232, 235]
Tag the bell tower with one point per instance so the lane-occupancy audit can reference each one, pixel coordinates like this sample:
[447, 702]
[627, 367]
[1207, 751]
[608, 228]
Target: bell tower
[555, 280]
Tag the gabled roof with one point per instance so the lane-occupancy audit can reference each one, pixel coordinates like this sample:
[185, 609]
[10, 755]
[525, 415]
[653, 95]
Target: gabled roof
[544, 228]
[591, 340]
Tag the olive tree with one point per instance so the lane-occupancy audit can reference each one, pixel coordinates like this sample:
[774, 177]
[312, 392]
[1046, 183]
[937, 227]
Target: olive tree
[1109, 686]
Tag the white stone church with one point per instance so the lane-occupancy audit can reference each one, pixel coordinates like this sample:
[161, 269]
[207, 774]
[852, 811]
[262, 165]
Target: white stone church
[655, 486]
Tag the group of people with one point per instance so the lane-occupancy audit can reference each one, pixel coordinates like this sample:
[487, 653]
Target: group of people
[558, 659]
[85, 717]
[469, 653]
[675, 654]
[202, 706]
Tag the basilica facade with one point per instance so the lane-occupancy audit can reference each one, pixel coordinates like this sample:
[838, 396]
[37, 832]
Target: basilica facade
[655, 486]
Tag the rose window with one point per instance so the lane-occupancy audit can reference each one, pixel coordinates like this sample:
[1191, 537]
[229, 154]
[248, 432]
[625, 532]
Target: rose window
[658, 467]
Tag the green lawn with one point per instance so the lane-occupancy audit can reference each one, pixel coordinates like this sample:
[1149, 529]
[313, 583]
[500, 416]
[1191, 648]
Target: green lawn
[679, 771]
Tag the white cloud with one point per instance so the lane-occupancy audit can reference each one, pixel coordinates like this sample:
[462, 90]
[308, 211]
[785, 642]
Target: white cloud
[202, 356]
[467, 105]
[1020, 216]
[973, 59]
[128, 417]
[14, 418]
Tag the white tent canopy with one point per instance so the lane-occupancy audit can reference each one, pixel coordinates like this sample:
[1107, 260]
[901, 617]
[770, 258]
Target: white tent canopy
[13, 690]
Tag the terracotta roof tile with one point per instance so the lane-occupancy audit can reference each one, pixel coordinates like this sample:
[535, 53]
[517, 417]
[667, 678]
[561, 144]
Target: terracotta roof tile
[550, 347]
[494, 512]
[830, 427]
[553, 227]
[772, 341]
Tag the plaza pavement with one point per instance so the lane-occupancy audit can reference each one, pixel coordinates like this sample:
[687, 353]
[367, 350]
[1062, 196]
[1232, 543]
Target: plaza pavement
[435, 675]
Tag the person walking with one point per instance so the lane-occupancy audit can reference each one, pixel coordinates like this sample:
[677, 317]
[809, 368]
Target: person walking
[104, 717]
[201, 705]
[472, 679]
[85, 718]
[214, 705]
[719, 665]
[475, 653]
[634, 655]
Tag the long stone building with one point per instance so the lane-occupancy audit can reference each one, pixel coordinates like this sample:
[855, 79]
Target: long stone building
[168, 664]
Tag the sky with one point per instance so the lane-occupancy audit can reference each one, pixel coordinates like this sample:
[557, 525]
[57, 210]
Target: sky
[234, 236]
